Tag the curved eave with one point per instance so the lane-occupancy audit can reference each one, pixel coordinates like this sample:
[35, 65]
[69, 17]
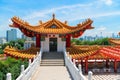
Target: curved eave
[18, 23]
[90, 28]
[115, 41]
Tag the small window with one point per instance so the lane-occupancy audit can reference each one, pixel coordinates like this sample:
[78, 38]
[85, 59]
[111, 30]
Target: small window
[53, 26]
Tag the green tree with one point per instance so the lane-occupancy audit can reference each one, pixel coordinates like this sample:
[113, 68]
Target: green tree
[11, 65]
[103, 41]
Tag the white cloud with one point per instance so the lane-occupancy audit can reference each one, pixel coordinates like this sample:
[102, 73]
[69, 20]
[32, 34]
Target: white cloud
[61, 9]
[108, 2]
[74, 12]
[77, 12]
[102, 28]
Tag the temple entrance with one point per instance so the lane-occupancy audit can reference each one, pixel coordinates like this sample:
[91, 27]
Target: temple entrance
[53, 44]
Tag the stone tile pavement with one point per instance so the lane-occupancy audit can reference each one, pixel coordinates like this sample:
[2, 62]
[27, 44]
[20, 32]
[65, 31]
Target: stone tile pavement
[51, 73]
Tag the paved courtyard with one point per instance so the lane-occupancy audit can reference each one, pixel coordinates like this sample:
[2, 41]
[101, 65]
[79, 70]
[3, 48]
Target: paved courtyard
[51, 73]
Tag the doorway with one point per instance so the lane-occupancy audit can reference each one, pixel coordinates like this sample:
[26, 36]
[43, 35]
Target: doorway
[53, 44]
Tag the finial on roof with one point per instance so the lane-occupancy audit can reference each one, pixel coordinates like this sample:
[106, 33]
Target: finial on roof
[40, 22]
[66, 22]
[53, 16]
[119, 33]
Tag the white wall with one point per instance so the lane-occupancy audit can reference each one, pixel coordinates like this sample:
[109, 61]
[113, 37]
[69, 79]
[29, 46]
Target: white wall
[45, 45]
[60, 44]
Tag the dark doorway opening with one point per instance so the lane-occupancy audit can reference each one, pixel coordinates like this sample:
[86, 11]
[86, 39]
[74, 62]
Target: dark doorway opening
[53, 44]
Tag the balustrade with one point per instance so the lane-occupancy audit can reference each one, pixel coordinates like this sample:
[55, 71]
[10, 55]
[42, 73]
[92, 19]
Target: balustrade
[28, 72]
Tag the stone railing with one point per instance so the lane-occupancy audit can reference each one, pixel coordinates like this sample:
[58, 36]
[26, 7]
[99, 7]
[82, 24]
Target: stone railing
[28, 72]
[76, 73]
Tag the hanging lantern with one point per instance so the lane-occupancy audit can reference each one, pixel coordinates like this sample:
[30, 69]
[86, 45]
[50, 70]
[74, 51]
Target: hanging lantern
[37, 35]
[22, 30]
[53, 35]
[32, 34]
[28, 32]
[66, 36]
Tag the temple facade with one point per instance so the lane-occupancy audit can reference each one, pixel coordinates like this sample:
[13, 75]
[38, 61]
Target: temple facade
[52, 35]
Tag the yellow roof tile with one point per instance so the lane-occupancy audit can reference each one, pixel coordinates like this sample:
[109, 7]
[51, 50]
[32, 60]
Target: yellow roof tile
[45, 28]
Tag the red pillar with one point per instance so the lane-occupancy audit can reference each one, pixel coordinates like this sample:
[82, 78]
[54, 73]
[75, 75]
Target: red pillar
[68, 41]
[86, 65]
[38, 40]
[82, 63]
[115, 66]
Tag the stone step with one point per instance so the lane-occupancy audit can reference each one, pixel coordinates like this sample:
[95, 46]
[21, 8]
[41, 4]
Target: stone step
[52, 65]
[52, 62]
[52, 56]
[59, 55]
[52, 59]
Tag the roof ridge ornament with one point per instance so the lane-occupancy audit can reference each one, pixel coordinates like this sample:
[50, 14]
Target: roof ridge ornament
[53, 16]
[40, 22]
[66, 22]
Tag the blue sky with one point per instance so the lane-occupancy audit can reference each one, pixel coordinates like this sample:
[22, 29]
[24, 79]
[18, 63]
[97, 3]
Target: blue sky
[104, 13]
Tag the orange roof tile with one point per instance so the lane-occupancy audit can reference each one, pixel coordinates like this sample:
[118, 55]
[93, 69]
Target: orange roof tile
[46, 28]
[115, 41]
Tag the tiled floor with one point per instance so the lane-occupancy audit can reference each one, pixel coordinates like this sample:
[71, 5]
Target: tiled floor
[51, 73]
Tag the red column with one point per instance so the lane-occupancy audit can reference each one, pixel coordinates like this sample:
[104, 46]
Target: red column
[86, 65]
[38, 40]
[81, 63]
[68, 41]
[115, 66]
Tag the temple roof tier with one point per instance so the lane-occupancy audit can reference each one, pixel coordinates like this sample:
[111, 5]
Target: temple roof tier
[115, 41]
[94, 52]
[52, 26]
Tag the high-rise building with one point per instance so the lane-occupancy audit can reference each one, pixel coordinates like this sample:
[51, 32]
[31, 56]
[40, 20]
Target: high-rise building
[113, 35]
[11, 35]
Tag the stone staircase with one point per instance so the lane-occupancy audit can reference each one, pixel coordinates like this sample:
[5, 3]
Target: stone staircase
[52, 59]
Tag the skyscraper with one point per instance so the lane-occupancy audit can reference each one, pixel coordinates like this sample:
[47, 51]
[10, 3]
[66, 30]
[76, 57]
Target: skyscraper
[11, 35]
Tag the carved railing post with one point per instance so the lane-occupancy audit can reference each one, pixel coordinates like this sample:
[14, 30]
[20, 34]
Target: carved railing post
[22, 68]
[79, 67]
[90, 75]
[8, 76]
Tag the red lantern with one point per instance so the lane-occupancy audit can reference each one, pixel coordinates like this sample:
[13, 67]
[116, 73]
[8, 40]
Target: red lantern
[22, 30]
[37, 35]
[66, 36]
[33, 34]
[53, 35]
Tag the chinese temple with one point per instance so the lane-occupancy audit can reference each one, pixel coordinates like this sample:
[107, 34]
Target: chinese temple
[55, 36]
[52, 35]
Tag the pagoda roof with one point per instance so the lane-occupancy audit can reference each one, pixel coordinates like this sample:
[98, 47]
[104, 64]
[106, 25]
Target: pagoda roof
[28, 53]
[52, 26]
[114, 41]
[94, 52]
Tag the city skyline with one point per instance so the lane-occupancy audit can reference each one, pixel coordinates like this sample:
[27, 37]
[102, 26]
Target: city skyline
[104, 13]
